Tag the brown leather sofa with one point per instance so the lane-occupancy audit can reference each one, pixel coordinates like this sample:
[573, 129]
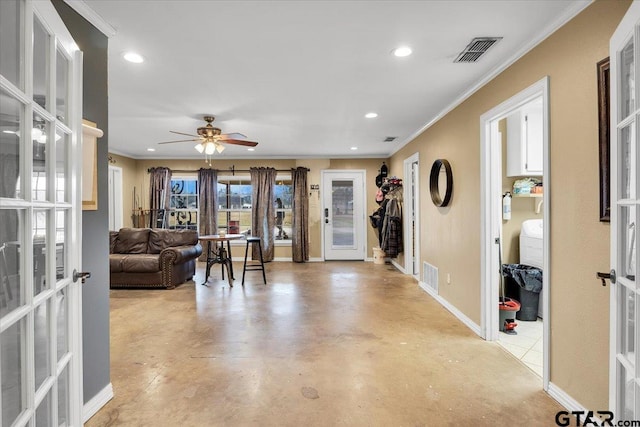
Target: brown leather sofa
[152, 257]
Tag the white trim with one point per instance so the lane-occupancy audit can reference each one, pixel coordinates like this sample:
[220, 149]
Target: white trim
[92, 16]
[569, 14]
[97, 402]
[452, 309]
[398, 266]
[490, 208]
[316, 259]
[564, 399]
[412, 238]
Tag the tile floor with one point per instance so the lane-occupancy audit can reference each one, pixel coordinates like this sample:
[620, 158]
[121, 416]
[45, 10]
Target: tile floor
[526, 345]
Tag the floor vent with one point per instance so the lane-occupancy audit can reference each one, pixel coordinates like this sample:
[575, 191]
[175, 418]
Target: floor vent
[476, 49]
[430, 276]
[390, 138]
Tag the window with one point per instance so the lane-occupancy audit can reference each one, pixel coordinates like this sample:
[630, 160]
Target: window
[235, 203]
[183, 203]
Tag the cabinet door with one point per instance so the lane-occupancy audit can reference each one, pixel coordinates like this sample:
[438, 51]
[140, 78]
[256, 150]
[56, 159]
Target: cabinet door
[533, 140]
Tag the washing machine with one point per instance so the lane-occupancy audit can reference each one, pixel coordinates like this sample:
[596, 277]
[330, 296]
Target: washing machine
[531, 250]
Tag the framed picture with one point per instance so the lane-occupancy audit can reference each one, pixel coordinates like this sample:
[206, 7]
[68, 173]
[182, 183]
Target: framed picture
[90, 135]
[604, 138]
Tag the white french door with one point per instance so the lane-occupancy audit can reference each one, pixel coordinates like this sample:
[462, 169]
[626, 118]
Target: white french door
[343, 214]
[624, 392]
[40, 124]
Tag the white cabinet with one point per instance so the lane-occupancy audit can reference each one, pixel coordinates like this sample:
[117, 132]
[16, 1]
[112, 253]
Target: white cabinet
[524, 140]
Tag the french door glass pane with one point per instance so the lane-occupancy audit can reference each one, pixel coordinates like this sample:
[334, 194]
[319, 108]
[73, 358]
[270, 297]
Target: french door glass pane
[41, 343]
[63, 397]
[40, 63]
[12, 113]
[626, 323]
[43, 413]
[63, 310]
[62, 147]
[625, 393]
[12, 379]
[342, 206]
[11, 296]
[627, 254]
[627, 81]
[61, 244]
[40, 227]
[40, 142]
[10, 38]
[625, 163]
[62, 85]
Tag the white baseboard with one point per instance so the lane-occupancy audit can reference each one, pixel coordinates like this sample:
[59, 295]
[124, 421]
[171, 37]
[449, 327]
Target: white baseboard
[564, 399]
[398, 266]
[97, 402]
[457, 313]
[316, 259]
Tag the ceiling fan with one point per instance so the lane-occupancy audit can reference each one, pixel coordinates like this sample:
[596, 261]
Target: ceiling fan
[211, 138]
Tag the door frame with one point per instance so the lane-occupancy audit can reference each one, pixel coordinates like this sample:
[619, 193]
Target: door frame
[116, 207]
[411, 200]
[363, 227]
[491, 208]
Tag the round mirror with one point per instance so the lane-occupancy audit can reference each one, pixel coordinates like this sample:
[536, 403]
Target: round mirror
[441, 182]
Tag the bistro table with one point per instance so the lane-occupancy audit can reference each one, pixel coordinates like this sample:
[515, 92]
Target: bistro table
[218, 254]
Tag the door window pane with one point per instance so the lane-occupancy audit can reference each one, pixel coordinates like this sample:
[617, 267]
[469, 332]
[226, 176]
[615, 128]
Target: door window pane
[63, 342]
[626, 163]
[63, 397]
[61, 246]
[342, 208]
[62, 147]
[12, 376]
[62, 86]
[627, 254]
[627, 81]
[11, 41]
[626, 323]
[40, 63]
[11, 296]
[43, 413]
[39, 137]
[40, 227]
[12, 113]
[625, 394]
[41, 343]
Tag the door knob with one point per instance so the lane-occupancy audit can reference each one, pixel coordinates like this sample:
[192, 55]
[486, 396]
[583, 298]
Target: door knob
[610, 275]
[83, 275]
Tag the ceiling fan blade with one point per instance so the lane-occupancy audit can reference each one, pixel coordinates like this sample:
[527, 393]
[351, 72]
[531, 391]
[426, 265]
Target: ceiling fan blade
[182, 133]
[180, 140]
[225, 136]
[239, 142]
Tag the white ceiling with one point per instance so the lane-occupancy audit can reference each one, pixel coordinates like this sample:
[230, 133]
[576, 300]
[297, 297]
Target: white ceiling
[299, 76]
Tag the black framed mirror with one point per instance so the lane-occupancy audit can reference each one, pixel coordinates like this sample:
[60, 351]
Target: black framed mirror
[441, 182]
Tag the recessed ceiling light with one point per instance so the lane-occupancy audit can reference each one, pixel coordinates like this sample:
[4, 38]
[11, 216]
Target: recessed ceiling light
[354, 148]
[402, 51]
[371, 115]
[251, 149]
[133, 57]
[151, 149]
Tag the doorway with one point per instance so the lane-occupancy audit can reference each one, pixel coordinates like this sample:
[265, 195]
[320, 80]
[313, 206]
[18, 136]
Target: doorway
[497, 232]
[343, 214]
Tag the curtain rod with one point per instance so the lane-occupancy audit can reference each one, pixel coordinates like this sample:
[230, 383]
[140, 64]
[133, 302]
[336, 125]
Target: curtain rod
[232, 169]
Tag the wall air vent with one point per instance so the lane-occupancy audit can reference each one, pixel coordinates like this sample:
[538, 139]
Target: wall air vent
[476, 49]
[390, 138]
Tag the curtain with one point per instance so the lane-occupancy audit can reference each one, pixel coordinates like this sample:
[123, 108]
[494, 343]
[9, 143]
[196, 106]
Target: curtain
[300, 232]
[208, 207]
[263, 218]
[159, 192]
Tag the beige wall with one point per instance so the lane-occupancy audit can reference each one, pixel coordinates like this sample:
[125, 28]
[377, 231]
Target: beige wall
[450, 237]
[135, 175]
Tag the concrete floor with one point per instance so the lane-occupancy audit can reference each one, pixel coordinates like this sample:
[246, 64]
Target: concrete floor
[323, 344]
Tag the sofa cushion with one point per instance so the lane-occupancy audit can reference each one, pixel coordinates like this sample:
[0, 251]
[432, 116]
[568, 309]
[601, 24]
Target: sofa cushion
[160, 239]
[113, 238]
[115, 262]
[132, 241]
[141, 263]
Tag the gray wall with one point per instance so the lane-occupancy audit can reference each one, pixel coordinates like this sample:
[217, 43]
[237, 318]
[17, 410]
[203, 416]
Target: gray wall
[95, 224]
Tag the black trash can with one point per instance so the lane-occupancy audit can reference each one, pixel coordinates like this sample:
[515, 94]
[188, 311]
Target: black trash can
[523, 283]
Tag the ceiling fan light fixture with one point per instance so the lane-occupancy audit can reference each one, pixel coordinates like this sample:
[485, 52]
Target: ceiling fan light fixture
[199, 148]
[219, 147]
[209, 148]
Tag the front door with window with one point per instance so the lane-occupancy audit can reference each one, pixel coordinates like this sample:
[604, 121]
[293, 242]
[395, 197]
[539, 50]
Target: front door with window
[343, 215]
[40, 128]
[624, 390]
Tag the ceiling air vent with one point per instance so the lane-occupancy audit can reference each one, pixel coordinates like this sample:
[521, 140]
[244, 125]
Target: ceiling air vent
[476, 49]
[390, 139]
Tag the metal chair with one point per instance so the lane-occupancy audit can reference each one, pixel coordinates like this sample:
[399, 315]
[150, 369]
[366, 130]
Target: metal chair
[253, 266]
